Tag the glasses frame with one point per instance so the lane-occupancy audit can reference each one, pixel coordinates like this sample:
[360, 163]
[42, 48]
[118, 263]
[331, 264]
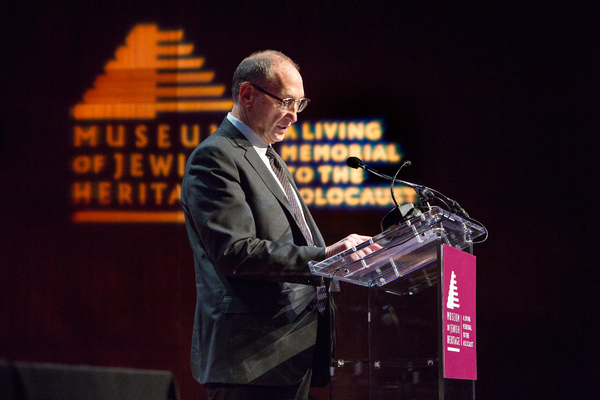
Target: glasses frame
[283, 101]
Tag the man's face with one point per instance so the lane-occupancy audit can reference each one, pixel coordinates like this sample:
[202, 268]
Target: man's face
[270, 122]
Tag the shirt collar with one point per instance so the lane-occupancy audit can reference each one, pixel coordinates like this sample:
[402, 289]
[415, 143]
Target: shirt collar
[256, 141]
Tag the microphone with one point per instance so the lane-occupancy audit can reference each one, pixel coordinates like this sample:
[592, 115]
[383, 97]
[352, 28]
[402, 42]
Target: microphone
[355, 162]
[427, 194]
[400, 212]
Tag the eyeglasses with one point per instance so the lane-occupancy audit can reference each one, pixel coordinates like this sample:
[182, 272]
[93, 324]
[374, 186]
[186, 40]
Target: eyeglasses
[286, 104]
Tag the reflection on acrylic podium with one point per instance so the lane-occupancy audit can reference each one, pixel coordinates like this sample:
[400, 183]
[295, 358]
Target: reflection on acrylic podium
[404, 315]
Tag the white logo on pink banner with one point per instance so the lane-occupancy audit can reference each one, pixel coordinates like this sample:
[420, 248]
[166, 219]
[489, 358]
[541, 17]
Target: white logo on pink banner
[452, 302]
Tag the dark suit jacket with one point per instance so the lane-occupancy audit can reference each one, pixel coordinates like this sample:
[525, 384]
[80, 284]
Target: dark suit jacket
[255, 321]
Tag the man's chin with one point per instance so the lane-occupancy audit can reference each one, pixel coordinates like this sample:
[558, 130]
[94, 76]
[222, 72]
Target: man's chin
[279, 134]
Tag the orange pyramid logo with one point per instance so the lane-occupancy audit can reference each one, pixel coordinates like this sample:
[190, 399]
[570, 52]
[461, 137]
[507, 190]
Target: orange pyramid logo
[153, 72]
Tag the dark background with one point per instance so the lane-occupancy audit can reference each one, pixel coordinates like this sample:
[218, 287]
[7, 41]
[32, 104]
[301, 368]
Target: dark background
[496, 105]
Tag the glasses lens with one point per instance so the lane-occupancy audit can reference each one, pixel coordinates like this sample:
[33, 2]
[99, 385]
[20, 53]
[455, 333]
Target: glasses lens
[288, 104]
[302, 103]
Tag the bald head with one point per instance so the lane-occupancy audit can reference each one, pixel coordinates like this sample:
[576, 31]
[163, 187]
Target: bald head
[258, 68]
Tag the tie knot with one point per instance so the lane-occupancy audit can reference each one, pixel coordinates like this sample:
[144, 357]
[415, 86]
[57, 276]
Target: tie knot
[270, 152]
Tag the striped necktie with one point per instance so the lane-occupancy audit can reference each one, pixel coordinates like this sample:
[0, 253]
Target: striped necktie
[278, 168]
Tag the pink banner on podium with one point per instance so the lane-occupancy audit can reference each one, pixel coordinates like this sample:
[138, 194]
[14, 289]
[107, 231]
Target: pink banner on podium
[460, 350]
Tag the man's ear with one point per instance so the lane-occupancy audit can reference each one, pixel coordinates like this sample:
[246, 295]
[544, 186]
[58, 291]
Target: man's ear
[246, 94]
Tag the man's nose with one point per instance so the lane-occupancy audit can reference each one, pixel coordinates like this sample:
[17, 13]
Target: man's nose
[292, 115]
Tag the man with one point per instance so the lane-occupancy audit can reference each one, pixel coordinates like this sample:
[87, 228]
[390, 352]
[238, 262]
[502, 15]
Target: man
[255, 328]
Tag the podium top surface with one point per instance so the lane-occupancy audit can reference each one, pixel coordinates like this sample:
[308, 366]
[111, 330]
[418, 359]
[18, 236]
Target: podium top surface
[400, 250]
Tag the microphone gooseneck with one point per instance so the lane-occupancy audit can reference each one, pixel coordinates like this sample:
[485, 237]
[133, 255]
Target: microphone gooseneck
[426, 193]
[405, 211]
[355, 162]
[404, 164]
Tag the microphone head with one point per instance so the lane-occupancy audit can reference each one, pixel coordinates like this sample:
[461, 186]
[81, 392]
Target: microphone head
[407, 163]
[354, 162]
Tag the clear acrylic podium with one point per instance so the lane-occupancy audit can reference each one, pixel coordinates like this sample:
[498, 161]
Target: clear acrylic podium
[389, 311]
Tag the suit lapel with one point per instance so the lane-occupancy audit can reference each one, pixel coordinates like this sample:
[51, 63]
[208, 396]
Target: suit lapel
[267, 177]
[257, 163]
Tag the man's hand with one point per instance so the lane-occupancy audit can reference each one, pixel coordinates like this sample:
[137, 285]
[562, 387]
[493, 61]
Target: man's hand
[346, 243]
